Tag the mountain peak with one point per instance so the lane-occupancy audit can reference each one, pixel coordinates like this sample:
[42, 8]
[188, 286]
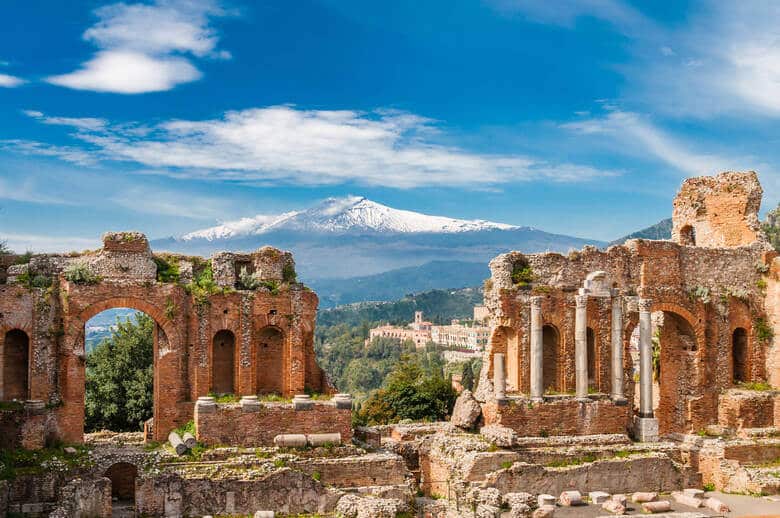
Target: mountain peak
[348, 214]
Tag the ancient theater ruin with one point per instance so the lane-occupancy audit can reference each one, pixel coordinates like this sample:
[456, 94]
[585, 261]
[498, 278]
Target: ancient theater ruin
[651, 366]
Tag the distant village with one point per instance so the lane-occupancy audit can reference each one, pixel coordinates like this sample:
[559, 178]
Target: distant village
[466, 335]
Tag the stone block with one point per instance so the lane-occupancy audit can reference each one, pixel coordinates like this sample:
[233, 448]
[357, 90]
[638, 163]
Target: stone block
[290, 440]
[343, 401]
[250, 404]
[543, 500]
[687, 500]
[570, 498]
[598, 497]
[323, 439]
[694, 492]
[545, 511]
[614, 507]
[659, 506]
[302, 402]
[620, 498]
[645, 429]
[264, 514]
[716, 505]
[487, 511]
[642, 497]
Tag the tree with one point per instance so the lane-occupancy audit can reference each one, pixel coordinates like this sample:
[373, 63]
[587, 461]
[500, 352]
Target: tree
[467, 377]
[4, 250]
[771, 227]
[119, 377]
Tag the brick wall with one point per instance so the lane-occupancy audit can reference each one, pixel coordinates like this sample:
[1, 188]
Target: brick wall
[230, 424]
[747, 409]
[559, 416]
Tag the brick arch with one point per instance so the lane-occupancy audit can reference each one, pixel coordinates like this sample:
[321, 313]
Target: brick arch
[693, 321]
[15, 380]
[556, 357]
[270, 358]
[77, 325]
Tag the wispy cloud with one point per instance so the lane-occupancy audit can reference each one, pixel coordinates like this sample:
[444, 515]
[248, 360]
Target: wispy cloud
[8, 81]
[72, 154]
[145, 47]
[311, 147]
[46, 243]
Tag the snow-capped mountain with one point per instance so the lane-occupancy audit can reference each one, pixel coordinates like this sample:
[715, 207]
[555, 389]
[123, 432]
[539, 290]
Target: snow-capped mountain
[342, 215]
[354, 236]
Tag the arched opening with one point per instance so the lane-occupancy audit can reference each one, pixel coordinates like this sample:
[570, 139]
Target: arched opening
[119, 374]
[591, 359]
[688, 236]
[269, 361]
[122, 476]
[739, 347]
[550, 345]
[508, 336]
[16, 364]
[223, 362]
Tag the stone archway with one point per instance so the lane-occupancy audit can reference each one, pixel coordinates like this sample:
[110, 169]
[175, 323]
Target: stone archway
[72, 370]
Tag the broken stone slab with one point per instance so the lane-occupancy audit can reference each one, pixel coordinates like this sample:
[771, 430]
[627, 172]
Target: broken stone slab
[520, 511]
[323, 439]
[70, 450]
[264, 514]
[177, 443]
[543, 500]
[614, 507]
[696, 493]
[598, 497]
[545, 511]
[466, 411]
[620, 498]
[487, 511]
[488, 496]
[642, 497]
[513, 499]
[570, 498]
[658, 506]
[189, 440]
[290, 440]
[684, 499]
[716, 505]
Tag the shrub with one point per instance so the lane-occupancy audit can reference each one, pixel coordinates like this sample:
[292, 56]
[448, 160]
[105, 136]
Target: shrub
[288, 273]
[764, 332]
[522, 274]
[167, 269]
[247, 281]
[80, 273]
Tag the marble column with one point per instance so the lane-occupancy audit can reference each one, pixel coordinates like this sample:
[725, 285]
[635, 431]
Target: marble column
[645, 359]
[618, 395]
[499, 376]
[537, 350]
[581, 345]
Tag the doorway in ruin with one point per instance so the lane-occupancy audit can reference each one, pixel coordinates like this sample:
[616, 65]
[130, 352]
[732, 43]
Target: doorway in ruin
[688, 236]
[223, 354]
[675, 369]
[550, 345]
[739, 351]
[16, 365]
[591, 339]
[122, 476]
[269, 361]
[119, 370]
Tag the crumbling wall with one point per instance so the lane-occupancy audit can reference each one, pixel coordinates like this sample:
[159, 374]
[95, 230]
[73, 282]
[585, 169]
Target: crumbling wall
[718, 211]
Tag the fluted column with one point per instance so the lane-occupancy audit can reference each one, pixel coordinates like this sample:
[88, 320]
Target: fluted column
[581, 345]
[645, 359]
[537, 350]
[618, 394]
[499, 376]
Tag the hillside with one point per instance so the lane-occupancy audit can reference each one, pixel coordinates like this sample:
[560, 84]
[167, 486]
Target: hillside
[661, 230]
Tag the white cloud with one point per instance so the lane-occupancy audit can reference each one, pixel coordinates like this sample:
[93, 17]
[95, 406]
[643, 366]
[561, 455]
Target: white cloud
[143, 47]
[84, 123]
[632, 133]
[316, 147]
[7, 81]
[74, 155]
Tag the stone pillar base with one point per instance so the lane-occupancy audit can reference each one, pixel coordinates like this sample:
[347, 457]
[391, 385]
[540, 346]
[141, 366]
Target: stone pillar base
[619, 401]
[645, 429]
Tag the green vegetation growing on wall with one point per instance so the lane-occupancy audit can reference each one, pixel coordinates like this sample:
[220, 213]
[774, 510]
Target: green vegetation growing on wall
[167, 268]
[522, 274]
[80, 273]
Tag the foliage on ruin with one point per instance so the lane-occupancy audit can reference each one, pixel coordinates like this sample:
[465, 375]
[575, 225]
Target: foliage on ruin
[80, 273]
[167, 268]
[4, 250]
[771, 227]
[409, 393]
[271, 285]
[522, 274]
[18, 462]
[288, 273]
[761, 386]
[119, 377]
[247, 281]
[701, 293]
[33, 281]
[203, 285]
[467, 376]
[764, 332]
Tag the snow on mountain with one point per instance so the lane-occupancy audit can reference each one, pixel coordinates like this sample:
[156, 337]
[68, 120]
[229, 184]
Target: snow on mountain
[348, 214]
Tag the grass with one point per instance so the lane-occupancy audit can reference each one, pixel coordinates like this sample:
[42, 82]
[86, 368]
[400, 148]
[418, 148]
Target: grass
[762, 386]
[18, 462]
[506, 464]
[709, 486]
[225, 398]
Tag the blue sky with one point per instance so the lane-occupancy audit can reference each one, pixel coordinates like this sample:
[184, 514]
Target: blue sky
[576, 116]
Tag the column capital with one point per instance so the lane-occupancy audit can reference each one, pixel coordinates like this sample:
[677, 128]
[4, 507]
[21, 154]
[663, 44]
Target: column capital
[645, 305]
[536, 302]
[581, 301]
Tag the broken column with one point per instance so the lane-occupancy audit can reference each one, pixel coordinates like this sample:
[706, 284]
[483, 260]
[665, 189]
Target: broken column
[618, 395]
[499, 376]
[581, 345]
[645, 425]
[537, 350]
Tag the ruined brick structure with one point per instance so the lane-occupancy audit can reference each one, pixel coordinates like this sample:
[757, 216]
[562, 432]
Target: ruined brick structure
[237, 323]
[713, 296]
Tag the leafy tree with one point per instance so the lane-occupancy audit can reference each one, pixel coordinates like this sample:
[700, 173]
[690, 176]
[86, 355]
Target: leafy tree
[4, 250]
[467, 377]
[119, 377]
[771, 227]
